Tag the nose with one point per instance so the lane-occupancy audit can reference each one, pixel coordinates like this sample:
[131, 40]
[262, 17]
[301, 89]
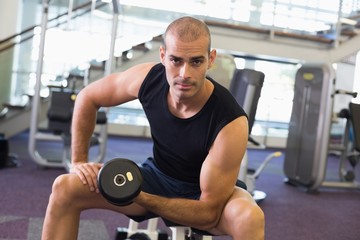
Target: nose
[185, 71]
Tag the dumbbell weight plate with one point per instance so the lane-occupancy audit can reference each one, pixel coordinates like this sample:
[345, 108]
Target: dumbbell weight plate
[119, 181]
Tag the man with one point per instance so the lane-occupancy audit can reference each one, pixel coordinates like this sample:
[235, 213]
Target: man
[199, 134]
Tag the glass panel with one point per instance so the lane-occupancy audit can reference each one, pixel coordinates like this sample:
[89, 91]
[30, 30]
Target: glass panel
[70, 46]
[275, 104]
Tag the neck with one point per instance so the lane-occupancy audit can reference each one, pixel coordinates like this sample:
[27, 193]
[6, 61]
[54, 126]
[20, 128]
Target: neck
[188, 107]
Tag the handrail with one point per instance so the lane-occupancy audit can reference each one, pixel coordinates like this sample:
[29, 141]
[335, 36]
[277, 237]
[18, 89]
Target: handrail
[81, 6]
[17, 34]
[319, 39]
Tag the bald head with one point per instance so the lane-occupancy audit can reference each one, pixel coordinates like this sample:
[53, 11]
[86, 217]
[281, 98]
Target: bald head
[188, 29]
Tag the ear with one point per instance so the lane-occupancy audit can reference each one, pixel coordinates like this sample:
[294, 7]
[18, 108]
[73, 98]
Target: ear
[162, 54]
[212, 57]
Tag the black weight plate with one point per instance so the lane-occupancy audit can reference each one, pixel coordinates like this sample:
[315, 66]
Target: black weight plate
[139, 236]
[119, 181]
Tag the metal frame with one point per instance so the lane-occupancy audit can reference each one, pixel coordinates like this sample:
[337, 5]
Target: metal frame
[342, 182]
[35, 134]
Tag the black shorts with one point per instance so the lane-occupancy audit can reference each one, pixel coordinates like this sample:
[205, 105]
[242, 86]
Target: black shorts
[157, 183]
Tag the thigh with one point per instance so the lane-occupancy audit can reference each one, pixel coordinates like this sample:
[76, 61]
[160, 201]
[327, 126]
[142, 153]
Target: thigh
[69, 188]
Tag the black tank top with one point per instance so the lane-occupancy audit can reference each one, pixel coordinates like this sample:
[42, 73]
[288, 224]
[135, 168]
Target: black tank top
[181, 145]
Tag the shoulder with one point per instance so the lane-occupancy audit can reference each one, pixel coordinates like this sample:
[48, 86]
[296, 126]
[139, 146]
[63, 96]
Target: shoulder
[232, 139]
[154, 69]
[226, 101]
[153, 82]
[132, 78]
[238, 128]
[140, 70]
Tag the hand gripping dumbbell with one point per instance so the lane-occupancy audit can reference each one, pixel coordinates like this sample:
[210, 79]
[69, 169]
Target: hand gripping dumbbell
[119, 181]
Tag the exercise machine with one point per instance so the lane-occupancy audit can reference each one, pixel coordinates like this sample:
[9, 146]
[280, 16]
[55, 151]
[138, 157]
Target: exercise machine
[59, 115]
[309, 127]
[61, 105]
[6, 159]
[307, 149]
[348, 148]
[246, 87]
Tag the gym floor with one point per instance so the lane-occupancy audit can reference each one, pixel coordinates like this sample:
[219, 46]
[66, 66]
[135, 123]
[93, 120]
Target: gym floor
[291, 213]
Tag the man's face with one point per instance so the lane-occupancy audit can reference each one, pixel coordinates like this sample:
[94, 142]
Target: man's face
[186, 64]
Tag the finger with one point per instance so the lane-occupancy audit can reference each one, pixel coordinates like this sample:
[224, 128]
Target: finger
[99, 166]
[76, 169]
[87, 172]
[90, 176]
[94, 171]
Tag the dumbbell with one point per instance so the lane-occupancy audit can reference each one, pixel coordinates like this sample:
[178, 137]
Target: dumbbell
[119, 181]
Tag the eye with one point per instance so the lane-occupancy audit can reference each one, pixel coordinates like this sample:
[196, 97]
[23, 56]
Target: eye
[197, 62]
[176, 61]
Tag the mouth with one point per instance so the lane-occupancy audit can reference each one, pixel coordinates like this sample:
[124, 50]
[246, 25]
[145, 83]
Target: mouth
[183, 86]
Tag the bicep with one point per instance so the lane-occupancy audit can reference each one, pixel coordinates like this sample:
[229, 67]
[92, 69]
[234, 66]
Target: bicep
[221, 167]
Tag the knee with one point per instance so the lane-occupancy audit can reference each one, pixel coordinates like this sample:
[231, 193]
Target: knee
[253, 215]
[251, 219]
[63, 192]
[246, 217]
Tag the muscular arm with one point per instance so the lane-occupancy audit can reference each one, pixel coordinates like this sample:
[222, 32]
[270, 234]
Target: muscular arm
[109, 91]
[218, 176]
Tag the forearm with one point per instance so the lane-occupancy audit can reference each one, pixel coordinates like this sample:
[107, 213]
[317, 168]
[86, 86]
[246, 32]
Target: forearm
[82, 128]
[187, 212]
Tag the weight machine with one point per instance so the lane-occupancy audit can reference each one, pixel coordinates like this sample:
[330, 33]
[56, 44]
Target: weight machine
[61, 105]
[306, 156]
[349, 147]
[246, 87]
